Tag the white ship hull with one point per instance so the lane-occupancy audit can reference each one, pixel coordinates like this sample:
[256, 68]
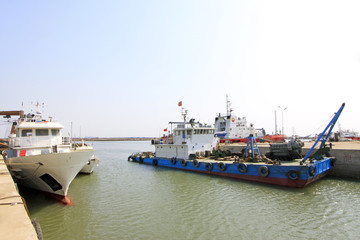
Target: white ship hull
[52, 173]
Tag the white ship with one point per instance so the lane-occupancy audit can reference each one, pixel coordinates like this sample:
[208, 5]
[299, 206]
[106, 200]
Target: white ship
[40, 158]
[229, 126]
[90, 165]
[187, 140]
[92, 162]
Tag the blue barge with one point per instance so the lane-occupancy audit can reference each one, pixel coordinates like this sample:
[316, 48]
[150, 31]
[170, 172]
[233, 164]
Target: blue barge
[290, 174]
[187, 150]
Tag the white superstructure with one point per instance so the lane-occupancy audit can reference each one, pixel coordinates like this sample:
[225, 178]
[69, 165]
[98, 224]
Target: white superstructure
[229, 126]
[188, 138]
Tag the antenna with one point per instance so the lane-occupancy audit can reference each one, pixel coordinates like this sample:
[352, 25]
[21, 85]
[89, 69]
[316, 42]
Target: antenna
[184, 113]
[275, 124]
[228, 106]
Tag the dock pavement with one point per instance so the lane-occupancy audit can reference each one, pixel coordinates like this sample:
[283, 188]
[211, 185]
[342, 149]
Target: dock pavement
[15, 223]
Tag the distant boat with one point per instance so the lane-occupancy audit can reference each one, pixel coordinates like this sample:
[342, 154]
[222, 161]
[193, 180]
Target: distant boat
[92, 162]
[40, 158]
[90, 165]
[191, 148]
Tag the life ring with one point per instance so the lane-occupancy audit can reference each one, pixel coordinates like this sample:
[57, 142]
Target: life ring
[173, 161]
[208, 166]
[221, 166]
[141, 160]
[242, 168]
[312, 170]
[155, 162]
[293, 174]
[196, 163]
[183, 162]
[263, 171]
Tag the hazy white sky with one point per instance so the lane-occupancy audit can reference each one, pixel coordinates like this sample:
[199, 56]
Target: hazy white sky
[119, 68]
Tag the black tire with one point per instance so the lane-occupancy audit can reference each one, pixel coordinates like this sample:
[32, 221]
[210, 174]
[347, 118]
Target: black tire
[242, 168]
[221, 166]
[312, 170]
[154, 162]
[264, 171]
[183, 163]
[208, 166]
[293, 174]
[196, 163]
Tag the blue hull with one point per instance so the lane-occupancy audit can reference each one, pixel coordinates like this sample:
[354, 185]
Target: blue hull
[289, 175]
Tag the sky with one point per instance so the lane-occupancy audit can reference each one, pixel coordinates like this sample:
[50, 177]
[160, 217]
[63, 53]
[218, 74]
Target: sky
[118, 68]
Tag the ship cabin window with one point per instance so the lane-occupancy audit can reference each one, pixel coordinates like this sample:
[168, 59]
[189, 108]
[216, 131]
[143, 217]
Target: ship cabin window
[55, 132]
[26, 132]
[42, 132]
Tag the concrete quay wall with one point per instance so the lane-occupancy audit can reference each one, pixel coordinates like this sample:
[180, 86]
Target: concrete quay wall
[15, 223]
[347, 156]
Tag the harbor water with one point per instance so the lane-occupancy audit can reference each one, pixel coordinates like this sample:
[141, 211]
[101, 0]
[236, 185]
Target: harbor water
[127, 200]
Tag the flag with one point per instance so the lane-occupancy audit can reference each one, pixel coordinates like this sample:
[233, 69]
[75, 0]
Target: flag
[165, 130]
[180, 104]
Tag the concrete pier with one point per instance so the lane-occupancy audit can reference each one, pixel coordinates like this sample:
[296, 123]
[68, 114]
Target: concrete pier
[347, 156]
[15, 223]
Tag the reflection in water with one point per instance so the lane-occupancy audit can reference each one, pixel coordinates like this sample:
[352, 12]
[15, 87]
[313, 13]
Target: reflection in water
[126, 200]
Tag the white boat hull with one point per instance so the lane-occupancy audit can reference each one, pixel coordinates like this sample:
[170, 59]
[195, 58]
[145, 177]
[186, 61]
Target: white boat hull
[90, 165]
[52, 173]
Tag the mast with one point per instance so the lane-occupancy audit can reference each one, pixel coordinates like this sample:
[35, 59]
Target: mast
[184, 114]
[228, 106]
[275, 124]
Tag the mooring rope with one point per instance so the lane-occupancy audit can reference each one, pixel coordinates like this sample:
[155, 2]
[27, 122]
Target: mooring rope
[322, 125]
[31, 175]
[11, 203]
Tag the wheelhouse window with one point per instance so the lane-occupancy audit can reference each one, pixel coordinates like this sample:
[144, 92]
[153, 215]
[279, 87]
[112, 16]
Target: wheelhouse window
[26, 132]
[55, 132]
[42, 132]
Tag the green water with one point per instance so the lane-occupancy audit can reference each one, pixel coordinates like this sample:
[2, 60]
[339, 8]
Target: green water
[126, 200]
